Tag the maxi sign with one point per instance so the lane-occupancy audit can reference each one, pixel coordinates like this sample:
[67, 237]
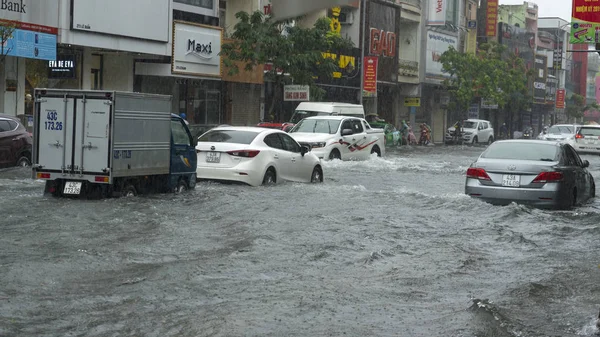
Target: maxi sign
[196, 49]
[585, 22]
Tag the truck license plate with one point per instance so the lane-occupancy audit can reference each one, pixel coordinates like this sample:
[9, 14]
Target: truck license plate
[213, 157]
[511, 180]
[72, 187]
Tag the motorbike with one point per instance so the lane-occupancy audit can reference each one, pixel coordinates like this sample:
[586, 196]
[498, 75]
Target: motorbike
[528, 133]
[423, 139]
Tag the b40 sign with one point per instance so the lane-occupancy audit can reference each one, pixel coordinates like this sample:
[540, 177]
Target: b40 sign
[382, 43]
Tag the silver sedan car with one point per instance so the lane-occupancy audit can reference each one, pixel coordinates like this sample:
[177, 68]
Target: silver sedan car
[535, 172]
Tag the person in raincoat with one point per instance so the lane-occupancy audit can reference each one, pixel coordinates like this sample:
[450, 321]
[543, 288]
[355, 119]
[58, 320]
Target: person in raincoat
[404, 132]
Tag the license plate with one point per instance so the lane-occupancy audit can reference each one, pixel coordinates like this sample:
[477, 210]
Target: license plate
[213, 157]
[511, 180]
[72, 187]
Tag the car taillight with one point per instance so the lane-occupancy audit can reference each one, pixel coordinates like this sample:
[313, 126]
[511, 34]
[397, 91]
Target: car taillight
[477, 173]
[548, 177]
[244, 153]
[579, 136]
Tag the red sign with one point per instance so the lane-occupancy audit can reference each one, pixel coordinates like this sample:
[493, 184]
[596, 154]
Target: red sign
[30, 26]
[383, 43]
[560, 98]
[491, 18]
[370, 76]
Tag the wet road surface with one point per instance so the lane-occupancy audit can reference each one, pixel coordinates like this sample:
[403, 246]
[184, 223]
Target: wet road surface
[387, 247]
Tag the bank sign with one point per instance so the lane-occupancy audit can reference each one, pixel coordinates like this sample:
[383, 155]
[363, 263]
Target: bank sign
[196, 50]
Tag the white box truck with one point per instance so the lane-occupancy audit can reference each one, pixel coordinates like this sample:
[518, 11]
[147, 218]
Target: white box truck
[110, 143]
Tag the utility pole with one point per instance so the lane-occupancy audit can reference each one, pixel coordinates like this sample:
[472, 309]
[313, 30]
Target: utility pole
[363, 8]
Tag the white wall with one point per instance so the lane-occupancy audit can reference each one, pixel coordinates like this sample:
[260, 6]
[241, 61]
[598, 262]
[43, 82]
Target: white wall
[13, 102]
[234, 6]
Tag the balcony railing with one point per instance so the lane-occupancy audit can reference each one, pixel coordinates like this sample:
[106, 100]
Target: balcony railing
[408, 68]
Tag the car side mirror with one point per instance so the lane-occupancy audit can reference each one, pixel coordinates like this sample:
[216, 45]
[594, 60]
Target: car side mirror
[347, 132]
[304, 150]
[585, 164]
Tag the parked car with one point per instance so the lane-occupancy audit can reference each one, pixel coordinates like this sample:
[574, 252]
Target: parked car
[255, 156]
[535, 172]
[587, 139]
[15, 143]
[474, 131]
[339, 137]
[309, 109]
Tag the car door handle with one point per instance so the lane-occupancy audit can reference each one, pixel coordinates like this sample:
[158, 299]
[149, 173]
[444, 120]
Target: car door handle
[276, 156]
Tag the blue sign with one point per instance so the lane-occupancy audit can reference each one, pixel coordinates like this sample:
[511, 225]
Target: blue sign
[30, 44]
[472, 24]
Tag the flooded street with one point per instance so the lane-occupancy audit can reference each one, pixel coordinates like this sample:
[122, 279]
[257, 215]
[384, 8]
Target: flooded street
[386, 247]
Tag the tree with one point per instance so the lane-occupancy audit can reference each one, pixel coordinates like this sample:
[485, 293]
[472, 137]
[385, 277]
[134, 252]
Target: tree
[578, 107]
[7, 29]
[296, 53]
[492, 75]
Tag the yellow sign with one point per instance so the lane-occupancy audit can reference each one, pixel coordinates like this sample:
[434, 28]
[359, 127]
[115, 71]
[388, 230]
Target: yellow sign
[472, 41]
[412, 101]
[335, 24]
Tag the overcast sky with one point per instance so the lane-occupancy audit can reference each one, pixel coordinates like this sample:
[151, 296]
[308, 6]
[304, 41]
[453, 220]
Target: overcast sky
[552, 8]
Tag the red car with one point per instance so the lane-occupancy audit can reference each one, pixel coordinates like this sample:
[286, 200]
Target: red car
[15, 143]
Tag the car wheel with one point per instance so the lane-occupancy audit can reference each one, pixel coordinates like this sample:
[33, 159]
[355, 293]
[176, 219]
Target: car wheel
[475, 140]
[23, 162]
[490, 140]
[270, 177]
[181, 187]
[128, 191]
[375, 149]
[335, 154]
[317, 175]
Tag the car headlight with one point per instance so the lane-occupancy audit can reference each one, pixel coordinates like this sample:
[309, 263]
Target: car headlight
[318, 144]
[468, 133]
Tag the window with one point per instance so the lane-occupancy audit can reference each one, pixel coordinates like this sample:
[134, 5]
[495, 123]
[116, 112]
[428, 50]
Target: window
[208, 4]
[328, 126]
[180, 135]
[590, 131]
[522, 151]
[357, 126]
[367, 127]
[573, 156]
[5, 126]
[347, 125]
[228, 136]
[289, 144]
[13, 125]
[274, 141]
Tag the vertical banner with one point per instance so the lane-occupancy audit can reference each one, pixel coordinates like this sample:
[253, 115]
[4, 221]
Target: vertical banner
[585, 22]
[370, 76]
[540, 75]
[472, 41]
[491, 18]
[560, 98]
[437, 13]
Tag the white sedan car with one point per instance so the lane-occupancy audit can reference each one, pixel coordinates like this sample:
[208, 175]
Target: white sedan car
[254, 156]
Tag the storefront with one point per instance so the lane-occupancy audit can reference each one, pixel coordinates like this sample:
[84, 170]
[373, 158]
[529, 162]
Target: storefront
[193, 77]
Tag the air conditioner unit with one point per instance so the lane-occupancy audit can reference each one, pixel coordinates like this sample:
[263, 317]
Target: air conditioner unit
[346, 17]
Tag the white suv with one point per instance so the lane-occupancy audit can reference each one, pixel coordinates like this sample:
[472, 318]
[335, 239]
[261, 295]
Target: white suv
[474, 131]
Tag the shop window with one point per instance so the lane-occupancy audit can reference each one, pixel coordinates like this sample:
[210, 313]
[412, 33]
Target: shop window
[208, 4]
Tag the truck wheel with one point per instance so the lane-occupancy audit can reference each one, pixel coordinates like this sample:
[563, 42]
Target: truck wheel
[181, 187]
[375, 149]
[335, 154]
[128, 191]
[24, 162]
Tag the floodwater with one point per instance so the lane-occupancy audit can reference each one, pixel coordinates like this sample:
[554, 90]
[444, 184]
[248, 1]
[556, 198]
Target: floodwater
[386, 247]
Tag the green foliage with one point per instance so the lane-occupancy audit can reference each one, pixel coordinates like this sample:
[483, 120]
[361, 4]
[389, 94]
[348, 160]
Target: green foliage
[6, 31]
[492, 75]
[578, 106]
[296, 51]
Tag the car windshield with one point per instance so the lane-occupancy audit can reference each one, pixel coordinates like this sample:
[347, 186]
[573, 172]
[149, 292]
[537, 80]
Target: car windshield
[301, 114]
[560, 129]
[469, 125]
[228, 136]
[329, 126]
[590, 131]
[522, 151]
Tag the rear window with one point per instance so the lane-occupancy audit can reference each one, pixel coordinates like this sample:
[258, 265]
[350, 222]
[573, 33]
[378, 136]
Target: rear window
[228, 136]
[522, 151]
[587, 131]
[557, 130]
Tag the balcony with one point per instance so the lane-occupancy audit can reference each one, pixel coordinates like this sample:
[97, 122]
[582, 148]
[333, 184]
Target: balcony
[408, 68]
